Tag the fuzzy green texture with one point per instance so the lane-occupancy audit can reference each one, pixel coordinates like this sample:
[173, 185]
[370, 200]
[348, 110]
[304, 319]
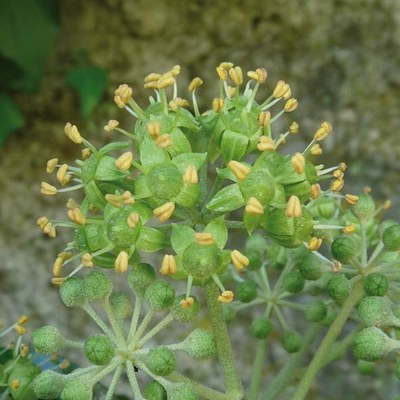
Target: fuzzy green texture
[160, 296]
[246, 291]
[165, 181]
[371, 344]
[183, 391]
[376, 311]
[376, 284]
[185, 314]
[261, 328]
[161, 361]
[293, 282]
[48, 385]
[255, 259]
[344, 248]
[316, 311]
[155, 391]
[292, 341]
[76, 389]
[391, 238]
[121, 305]
[97, 286]
[48, 340]
[72, 292]
[365, 207]
[338, 288]
[200, 344]
[99, 349]
[310, 267]
[24, 372]
[140, 277]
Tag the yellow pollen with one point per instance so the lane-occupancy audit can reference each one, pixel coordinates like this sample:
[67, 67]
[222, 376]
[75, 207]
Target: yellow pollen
[187, 303]
[195, 83]
[76, 216]
[58, 281]
[122, 95]
[15, 383]
[62, 175]
[20, 329]
[315, 191]
[72, 133]
[236, 74]
[86, 153]
[342, 166]
[291, 105]
[218, 104]
[51, 165]
[64, 364]
[204, 238]
[226, 297]
[316, 150]
[24, 350]
[23, 319]
[190, 175]
[124, 161]
[71, 203]
[111, 125]
[337, 185]
[239, 260]
[351, 199]
[165, 81]
[223, 75]
[164, 141]
[239, 170]
[349, 229]
[164, 212]
[127, 198]
[266, 143]
[280, 89]
[254, 207]
[264, 118]
[294, 128]
[314, 244]
[114, 199]
[178, 102]
[298, 162]
[154, 129]
[337, 266]
[87, 260]
[338, 174]
[152, 77]
[168, 265]
[133, 219]
[293, 208]
[226, 65]
[47, 189]
[121, 262]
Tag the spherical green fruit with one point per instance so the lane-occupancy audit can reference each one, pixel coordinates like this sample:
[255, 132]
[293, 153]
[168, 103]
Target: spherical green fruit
[183, 391]
[99, 349]
[155, 391]
[391, 238]
[97, 286]
[344, 248]
[140, 277]
[293, 282]
[161, 361]
[48, 385]
[255, 259]
[316, 311]
[185, 314]
[377, 311]
[48, 340]
[246, 291]
[72, 292]
[119, 233]
[386, 224]
[76, 389]
[121, 305]
[160, 296]
[310, 267]
[292, 341]
[376, 284]
[365, 207]
[200, 344]
[330, 317]
[338, 288]
[261, 328]
[165, 181]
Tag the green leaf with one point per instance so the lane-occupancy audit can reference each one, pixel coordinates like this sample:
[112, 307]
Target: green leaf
[150, 154]
[28, 30]
[218, 229]
[226, 173]
[107, 171]
[233, 146]
[144, 210]
[90, 83]
[151, 239]
[141, 188]
[181, 237]
[227, 199]
[11, 118]
[180, 143]
[189, 195]
[182, 161]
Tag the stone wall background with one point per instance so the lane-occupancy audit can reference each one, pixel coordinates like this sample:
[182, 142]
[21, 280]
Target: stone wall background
[341, 57]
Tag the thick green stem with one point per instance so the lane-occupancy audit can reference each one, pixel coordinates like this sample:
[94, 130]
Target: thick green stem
[233, 384]
[329, 339]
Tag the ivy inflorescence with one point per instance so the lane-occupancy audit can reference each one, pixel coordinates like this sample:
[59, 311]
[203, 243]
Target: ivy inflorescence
[180, 186]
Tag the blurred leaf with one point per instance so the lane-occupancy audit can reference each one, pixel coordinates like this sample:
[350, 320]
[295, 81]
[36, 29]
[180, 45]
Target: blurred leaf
[11, 118]
[90, 83]
[27, 30]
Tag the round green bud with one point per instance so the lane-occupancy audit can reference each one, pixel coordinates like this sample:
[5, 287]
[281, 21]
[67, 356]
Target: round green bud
[258, 184]
[140, 277]
[99, 349]
[255, 259]
[160, 296]
[376, 284]
[201, 260]
[371, 344]
[293, 282]
[229, 313]
[200, 344]
[330, 317]
[161, 361]
[261, 328]
[344, 248]
[121, 305]
[164, 181]
[183, 391]
[316, 311]
[48, 385]
[97, 286]
[391, 238]
[24, 372]
[72, 292]
[48, 340]
[386, 224]
[377, 311]
[155, 391]
[310, 267]
[292, 341]
[246, 291]
[185, 314]
[365, 367]
[338, 288]
[76, 389]
[365, 207]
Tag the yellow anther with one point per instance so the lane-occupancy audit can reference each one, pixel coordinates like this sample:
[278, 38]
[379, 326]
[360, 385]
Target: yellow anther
[20, 329]
[316, 150]
[71, 203]
[47, 189]
[236, 74]
[351, 199]
[231, 90]
[288, 92]
[239, 170]
[294, 128]
[50, 230]
[261, 74]
[178, 102]
[204, 238]
[337, 266]
[264, 118]
[223, 75]
[58, 280]
[72, 133]
[175, 70]
[76, 216]
[14, 384]
[342, 166]
[51, 165]
[252, 75]
[42, 222]
[254, 207]
[327, 127]
[58, 263]
[152, 77]
[347, 230]
[124, 161]
[367, 189]
[226, 65]
[315, 191]
[291, 105]
[338, 174]
[64, 364]
[24, 350]
[195, 83]
[121, 262]
[164, 141]
[165, 81]
[218, 104]
[127, 198]
[111, 125]
[87, 260]
[164, 212]
[86, 153]
[323, 131]
[282, 89]
[266, 143]
[122, 95]
[187, 303]
[23, 319]
[239, 260]
[293, 208]
[114, 199]
[337, 185]
[154, 129]
[387, 204]
[62, 175]
[151, 84]
[226, 297]
[299, 162]
[314, 244]
[168, 265]
[133, 219]
[190, 175]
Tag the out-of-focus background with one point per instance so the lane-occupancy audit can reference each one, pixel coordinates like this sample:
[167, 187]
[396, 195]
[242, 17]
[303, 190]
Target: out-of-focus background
[61, 61]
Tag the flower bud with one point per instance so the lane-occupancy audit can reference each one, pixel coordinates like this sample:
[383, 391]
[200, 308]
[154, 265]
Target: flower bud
[48, 340]
[187, 314]
[164, 181]
[99, 349]
[73, 292]
[391, 238]
[121, 305]
[48, 385]
[377, 311]
[292, 341]
[345, 248]
[160, 296]
[183, 391]
[338, 288]
[364, 209]
[155, 391]
[293, 282]
[161, 361]
[97, 286]
[140, 277]
[316, 311]
[310, 267]
[261, 328]
[246, 291]
[200, 344]
[376, 284]
[77, 389]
